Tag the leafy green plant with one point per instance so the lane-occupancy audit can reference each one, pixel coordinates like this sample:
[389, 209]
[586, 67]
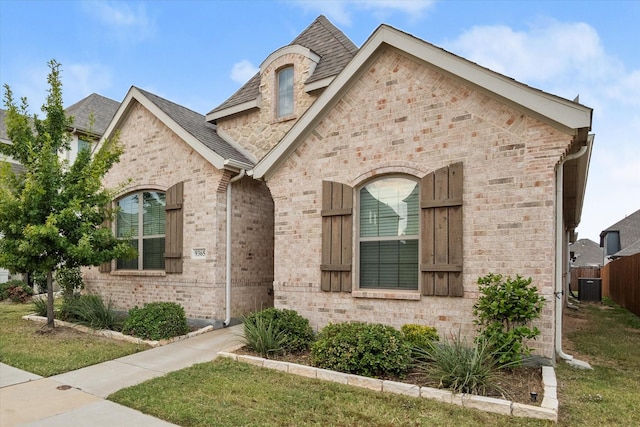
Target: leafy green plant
[69, 280]
[262, 336]
[505, 311]
[91, 311]
[17, 291]
[369, 349]
[156, 321]
[40, 305]
[4, 288]
[419, 336]
[296, 331]
[460, 366]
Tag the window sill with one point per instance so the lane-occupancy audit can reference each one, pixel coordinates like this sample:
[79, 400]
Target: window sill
[285, 118]
[145, 273]
[386, 294]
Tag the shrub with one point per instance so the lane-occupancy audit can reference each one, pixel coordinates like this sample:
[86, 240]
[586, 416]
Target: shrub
[419, 336]
[156, 321]
[69, 280]
[360, 348]
[505, 310]
[262, 336]
[460, 367]
[296, 332]
[40, 306]
[4, 289]
[91, 311]
[17, 291]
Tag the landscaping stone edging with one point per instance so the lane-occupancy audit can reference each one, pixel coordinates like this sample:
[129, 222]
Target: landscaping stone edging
[548, 409]
[118, 335]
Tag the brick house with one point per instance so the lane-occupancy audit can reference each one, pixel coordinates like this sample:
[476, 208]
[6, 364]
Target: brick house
[390, 178]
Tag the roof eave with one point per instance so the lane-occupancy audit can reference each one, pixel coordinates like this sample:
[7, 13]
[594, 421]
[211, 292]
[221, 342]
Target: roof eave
[236, 109]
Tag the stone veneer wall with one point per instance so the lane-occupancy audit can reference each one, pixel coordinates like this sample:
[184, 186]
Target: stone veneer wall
[403, 116]
[155, 157]
[259, 130]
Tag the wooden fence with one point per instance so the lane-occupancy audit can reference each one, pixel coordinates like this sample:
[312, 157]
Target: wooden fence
[581, 273]
[622, 279]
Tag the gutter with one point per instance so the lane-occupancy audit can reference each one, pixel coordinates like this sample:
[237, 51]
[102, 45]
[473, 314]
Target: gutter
[227, 319]
[560, 236]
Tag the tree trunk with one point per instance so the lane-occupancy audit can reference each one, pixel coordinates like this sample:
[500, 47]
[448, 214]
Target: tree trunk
[50, 322]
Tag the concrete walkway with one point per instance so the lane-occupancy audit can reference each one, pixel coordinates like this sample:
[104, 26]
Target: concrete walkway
[77, 398]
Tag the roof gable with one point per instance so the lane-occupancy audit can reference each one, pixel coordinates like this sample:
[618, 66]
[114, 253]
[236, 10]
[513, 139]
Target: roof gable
[102, 108]
[567, 116]
[190, 126]
[332, 46]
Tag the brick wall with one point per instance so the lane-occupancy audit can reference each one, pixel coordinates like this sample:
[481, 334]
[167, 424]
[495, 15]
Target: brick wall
[155, 157]
[402, 116]
[259, 130]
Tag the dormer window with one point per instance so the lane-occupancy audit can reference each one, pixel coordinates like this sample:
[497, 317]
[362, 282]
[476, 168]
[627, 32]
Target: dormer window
[285, 92]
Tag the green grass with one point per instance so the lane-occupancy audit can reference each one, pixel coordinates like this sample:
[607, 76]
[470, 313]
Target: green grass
[24, 346]
[228, 393]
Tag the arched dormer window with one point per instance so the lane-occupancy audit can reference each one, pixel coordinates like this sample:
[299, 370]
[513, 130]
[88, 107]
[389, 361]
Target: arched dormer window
[284, 98]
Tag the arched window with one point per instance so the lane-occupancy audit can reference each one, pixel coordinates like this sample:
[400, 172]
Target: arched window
[285, 92]
[388, 234]
[141, 220]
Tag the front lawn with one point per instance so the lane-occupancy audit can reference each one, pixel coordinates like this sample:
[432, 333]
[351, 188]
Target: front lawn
[37, 349]
[228, 393]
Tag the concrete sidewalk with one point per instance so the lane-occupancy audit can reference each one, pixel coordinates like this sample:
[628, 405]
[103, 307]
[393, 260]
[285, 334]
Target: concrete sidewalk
[77, 398]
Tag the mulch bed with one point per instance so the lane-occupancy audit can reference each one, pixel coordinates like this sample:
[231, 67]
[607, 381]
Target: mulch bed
[518, 384]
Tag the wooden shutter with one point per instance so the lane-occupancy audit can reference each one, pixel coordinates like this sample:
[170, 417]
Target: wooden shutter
[173, 230]
[337, 234]
[441, 232]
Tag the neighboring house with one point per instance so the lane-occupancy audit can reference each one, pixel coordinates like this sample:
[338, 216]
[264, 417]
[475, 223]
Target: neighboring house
[622, 238]
[373, 184]
[91, 117]
[585, 253]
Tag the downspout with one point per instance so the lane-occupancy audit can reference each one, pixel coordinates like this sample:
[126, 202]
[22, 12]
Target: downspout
[560, 235]
[227, 319]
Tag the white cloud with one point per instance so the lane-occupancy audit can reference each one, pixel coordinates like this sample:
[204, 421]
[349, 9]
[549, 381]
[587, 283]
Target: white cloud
[81, 80]
[127, 22]
[242, 71]
[340, 11]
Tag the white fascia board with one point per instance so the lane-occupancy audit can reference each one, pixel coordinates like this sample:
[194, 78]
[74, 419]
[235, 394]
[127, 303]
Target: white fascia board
[245, 106]
[134, 94]
[318, 84]
[567, 115]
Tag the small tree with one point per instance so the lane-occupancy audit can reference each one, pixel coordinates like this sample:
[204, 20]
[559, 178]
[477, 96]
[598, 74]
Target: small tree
[505, 311]
[51, 215]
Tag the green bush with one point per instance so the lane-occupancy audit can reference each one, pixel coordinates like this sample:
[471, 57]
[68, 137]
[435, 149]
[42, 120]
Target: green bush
[419, 336]
[460, 367]
[16, 291]
[262, 336]
[69, 280]
[295, 329]
[91, 311]
[505, 311]
[369, 349]
[156, 321]
[40, 306]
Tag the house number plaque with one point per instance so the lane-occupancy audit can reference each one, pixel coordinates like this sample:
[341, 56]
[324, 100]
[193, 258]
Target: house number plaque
[198, 253]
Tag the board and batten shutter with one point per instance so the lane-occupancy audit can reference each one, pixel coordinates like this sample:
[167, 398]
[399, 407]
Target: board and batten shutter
[441, 232]
[173, 230]
[337, 235]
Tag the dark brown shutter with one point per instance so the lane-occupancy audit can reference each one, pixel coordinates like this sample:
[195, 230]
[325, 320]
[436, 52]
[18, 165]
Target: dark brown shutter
[105, 267]
[337, 233]
[441, 232]
[173, 231]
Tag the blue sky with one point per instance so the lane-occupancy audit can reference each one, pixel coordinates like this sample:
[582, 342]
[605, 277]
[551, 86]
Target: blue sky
[197, 53]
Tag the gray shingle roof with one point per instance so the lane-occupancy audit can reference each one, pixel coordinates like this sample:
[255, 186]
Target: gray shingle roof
[103, 110]
[632, 249]
[627, 228]
[586, 253]
[195, 124]
[322, 37]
